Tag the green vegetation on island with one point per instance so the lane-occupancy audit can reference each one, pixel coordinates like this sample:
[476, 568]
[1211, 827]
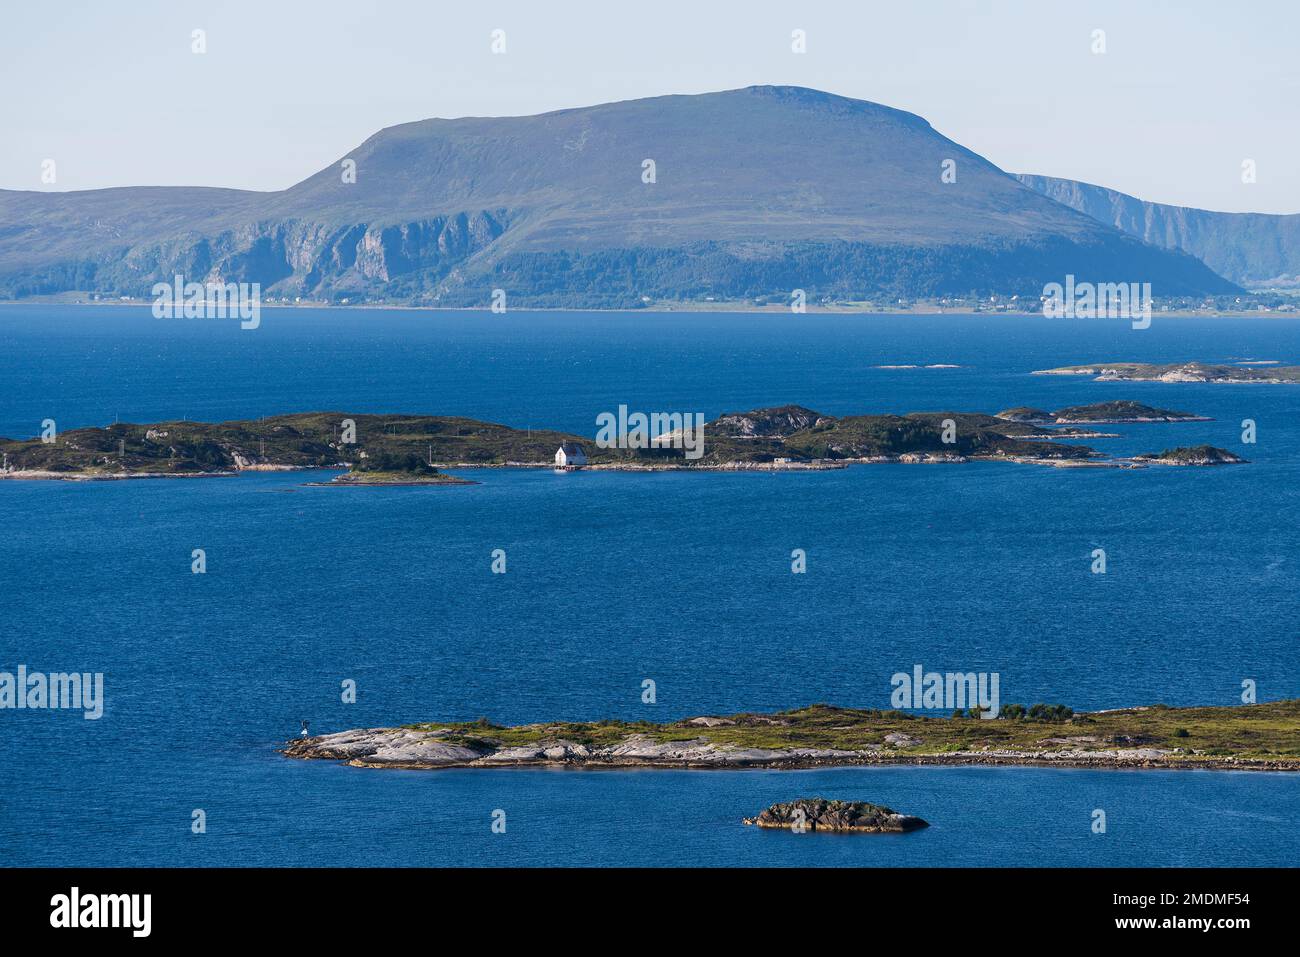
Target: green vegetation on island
[377, 477]
[388, 468]
[800, 434]
[1099, 413]
[413, 449]
[1180, 372]
[1192, 455]
[1258, 736]
[330, 440]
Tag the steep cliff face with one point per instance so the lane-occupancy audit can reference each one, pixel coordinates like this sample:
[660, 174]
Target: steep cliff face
[286, 257]
[748, 192]
[1252, 249]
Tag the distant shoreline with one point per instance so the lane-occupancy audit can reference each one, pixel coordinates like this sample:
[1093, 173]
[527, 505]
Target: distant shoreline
[1249, 372]
[662, 308]
[1130, 463]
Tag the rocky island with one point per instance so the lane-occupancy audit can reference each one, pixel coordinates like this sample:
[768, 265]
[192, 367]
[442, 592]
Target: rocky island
[388, 469]
[839, 817]
[1181, 372]
[412, 449]
[375, 449]
[1191, 455]
[1244, 737]
[1099, 413]
[432, 477]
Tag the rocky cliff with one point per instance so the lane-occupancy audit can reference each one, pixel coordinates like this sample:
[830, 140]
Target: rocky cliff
[1251, 249]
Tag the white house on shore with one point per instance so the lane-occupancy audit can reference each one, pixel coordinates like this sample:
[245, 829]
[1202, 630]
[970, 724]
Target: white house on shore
[570, 455]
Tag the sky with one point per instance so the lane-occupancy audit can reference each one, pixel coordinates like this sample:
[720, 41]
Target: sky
[1183, 95]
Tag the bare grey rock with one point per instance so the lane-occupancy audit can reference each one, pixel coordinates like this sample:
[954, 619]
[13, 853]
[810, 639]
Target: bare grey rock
[900, 740]
[387, 746]
[847, 817]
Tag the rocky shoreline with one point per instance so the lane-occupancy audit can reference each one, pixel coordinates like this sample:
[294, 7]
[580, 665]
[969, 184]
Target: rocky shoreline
[349, 479]
[434, 748]
[48, 475]
[1242, 372]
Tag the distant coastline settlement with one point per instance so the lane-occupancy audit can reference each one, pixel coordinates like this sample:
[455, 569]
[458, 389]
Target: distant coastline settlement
[414, 449]
[1257, 302]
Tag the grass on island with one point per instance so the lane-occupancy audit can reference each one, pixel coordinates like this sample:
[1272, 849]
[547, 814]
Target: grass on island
[317, 440]
[407, 443]
[301, 440]
[387, 468]
[1180, 371]
[1269, 731]
[377, 477]
[1193, 455]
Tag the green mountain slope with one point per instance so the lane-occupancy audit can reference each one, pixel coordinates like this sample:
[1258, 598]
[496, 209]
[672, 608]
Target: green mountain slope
[757, 191]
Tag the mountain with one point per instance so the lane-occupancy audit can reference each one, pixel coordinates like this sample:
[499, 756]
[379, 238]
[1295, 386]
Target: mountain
[1251, 249]
[758, 192]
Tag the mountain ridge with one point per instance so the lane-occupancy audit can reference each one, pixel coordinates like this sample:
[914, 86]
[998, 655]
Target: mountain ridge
[756, 191]
[1251, 249]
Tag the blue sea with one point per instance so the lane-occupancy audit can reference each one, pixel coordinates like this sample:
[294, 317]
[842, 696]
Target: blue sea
[614, 578]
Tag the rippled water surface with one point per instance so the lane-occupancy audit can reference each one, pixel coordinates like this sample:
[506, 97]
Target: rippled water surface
[614, 578]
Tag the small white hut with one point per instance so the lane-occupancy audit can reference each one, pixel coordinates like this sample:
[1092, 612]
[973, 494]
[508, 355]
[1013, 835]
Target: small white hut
[570, 455]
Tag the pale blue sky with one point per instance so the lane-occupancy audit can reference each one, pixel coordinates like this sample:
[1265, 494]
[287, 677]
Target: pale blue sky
[1184, 93]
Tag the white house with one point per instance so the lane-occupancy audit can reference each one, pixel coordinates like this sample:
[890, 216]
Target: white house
[570, 455]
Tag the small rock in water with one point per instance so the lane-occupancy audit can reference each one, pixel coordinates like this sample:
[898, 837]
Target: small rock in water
[819, 814]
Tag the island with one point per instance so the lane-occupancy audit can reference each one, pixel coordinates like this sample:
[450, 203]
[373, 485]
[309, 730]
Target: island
[1099, 413]
[375, 449]
[837, 817]
[388, 469]
[403, 449]
[1262, 736]
[371, 478]
[1191, 455]
[1181, 372]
